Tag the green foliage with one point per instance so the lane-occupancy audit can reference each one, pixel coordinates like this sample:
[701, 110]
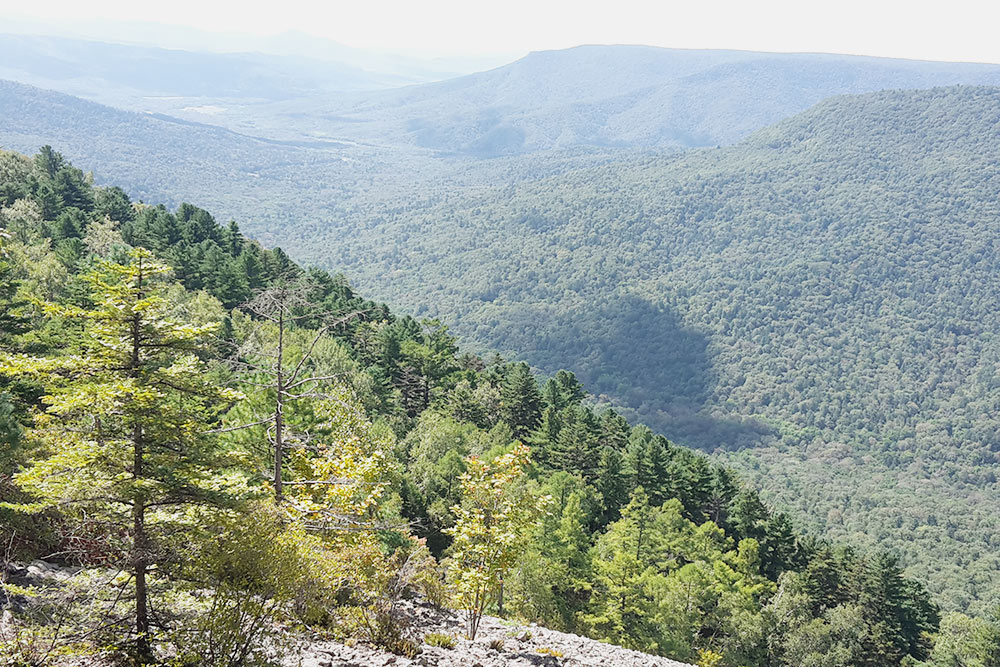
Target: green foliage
[439, 639]
[489, 531]
[971, 642]
[818, 301]
[255, 567]
[645, 543]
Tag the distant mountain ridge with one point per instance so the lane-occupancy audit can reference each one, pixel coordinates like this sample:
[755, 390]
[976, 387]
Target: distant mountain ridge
[626, 96]
[597, 96]
[77, 66]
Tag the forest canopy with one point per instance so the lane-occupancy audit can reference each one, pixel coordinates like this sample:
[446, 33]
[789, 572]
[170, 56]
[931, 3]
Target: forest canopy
[244, 426]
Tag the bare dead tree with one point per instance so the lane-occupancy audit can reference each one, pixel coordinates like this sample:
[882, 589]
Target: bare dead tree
[285, 305]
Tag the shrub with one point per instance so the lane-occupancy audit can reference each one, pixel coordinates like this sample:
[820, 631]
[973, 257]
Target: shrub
[544, 650]
[708, 658]
[439, 639]
[256, 568]
[421, 572]
[403, 647]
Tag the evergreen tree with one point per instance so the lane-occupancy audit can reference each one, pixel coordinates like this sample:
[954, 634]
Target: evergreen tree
[723, 493]
[615, 431]
[113, 203]
[124, 429]
[665, 477]
[543, 440]
[749, 516]
[563, 390]
[521, 402]
[621, 612]
[612, 484]
[576, 446]
[780, 549]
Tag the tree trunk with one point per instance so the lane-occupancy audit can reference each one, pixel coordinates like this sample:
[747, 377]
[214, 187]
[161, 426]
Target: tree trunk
[279, 410]
[143, 646]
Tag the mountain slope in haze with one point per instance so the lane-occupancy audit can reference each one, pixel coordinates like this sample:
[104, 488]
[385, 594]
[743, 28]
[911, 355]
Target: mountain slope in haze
[273, 185]
[234, 90]
[820, 301]
[634, 96]
[79, 66]
[158, 158]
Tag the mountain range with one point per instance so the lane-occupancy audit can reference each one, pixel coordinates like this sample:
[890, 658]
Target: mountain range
[624, 96]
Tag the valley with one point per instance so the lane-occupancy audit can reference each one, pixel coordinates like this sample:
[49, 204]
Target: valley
[787, 262]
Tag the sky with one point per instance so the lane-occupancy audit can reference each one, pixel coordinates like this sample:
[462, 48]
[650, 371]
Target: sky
[955, 30]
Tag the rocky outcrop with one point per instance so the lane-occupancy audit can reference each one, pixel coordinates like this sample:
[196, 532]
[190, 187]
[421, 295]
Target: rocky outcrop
[499, 644]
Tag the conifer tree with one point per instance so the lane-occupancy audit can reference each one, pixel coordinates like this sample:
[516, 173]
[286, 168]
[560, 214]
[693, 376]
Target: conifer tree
[723, 492]
[614, 431]
[123, 436]
[521, 401]
[576, 446]
[612, 485]
[282, 371]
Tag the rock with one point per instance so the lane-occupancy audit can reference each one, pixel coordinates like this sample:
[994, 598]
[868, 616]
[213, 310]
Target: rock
[422, 619]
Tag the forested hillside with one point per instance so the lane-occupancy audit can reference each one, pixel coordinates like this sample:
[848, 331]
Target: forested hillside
[818, 303]
[233, 447]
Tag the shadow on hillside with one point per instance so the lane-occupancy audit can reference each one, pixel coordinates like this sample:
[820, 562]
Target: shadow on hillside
[636, 354]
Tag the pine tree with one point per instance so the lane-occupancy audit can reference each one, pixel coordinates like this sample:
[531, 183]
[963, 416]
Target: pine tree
[748, 516]
[621, 557]
[563, 390]
[12, 321]
[615, 431]
[612, 485]
[544, 438]
[638, 468]
[576, 446]
[124, 433]
[779, 548]
[282, 371]
[723, 492]
[521, 401]
[663, 483]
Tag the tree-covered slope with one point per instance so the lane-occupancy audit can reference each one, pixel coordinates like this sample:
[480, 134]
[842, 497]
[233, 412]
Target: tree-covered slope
[236, 455]
[240, 90]
[820, 301]
[161, 158]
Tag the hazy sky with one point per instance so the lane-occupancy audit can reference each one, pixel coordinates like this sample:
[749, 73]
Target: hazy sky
[954, 30]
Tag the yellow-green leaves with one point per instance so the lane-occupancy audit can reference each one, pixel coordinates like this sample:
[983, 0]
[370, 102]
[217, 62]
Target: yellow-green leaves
[338, 479]
[134, 379]
[491, 525]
